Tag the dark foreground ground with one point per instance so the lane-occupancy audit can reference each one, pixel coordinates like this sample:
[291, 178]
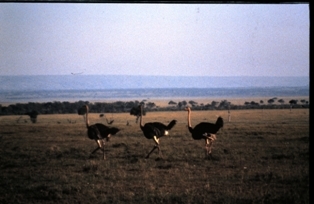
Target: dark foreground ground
[260, 156]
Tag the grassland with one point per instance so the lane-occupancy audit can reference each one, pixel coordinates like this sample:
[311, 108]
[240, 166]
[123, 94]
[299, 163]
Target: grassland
[260, 156]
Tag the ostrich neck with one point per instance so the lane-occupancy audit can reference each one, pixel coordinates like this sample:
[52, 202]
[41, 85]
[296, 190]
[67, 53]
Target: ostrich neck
[189, 119]
[87, 121]
[141, 120]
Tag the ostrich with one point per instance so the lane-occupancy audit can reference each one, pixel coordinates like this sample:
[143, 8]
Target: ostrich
[98, 132]
[33, 115]
[136, 111]
[204, 130]
[82, 110]
[155, 130]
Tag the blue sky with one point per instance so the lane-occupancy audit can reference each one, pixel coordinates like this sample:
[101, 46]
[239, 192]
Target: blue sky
[154, 39]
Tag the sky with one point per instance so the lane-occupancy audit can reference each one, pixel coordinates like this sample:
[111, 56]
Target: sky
[154, 39]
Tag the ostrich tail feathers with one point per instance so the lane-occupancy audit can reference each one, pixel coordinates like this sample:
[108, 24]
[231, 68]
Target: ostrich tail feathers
[114, 130]
[171, 124]
[220, 122]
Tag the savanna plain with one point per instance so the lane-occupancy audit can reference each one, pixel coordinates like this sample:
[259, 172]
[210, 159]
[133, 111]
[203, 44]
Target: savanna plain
[260, 156]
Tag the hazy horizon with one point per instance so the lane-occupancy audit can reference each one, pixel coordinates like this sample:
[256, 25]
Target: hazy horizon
[94, 82]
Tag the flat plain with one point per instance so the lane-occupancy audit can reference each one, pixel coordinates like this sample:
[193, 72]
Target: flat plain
[260, 156]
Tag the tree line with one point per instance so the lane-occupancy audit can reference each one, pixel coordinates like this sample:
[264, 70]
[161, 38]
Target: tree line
[57, 107]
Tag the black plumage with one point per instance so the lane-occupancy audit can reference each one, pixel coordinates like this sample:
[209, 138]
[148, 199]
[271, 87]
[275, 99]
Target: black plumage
[98, 132]
[205, 130]
[33, 115]
[201, 130]
[155, 130]
[82, 110]
[136, 111]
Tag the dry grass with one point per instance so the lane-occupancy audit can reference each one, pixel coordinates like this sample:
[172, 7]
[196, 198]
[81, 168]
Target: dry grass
[258, 157]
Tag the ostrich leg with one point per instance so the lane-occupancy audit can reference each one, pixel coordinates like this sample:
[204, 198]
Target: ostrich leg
[103, 149]
[206, 147]
[99, 147]
[156, 146]
[210, 147]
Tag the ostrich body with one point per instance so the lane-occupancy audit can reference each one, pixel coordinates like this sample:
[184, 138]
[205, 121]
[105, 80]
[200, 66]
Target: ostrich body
[155, 130]
[136, 111]
[99, 132]
[33, 115]
[205, 130]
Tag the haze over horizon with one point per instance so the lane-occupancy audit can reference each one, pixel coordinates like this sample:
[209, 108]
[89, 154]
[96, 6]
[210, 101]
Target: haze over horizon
[154, 39]
[101, 82]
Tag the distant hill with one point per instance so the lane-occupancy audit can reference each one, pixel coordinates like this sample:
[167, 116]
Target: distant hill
[92, 82]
